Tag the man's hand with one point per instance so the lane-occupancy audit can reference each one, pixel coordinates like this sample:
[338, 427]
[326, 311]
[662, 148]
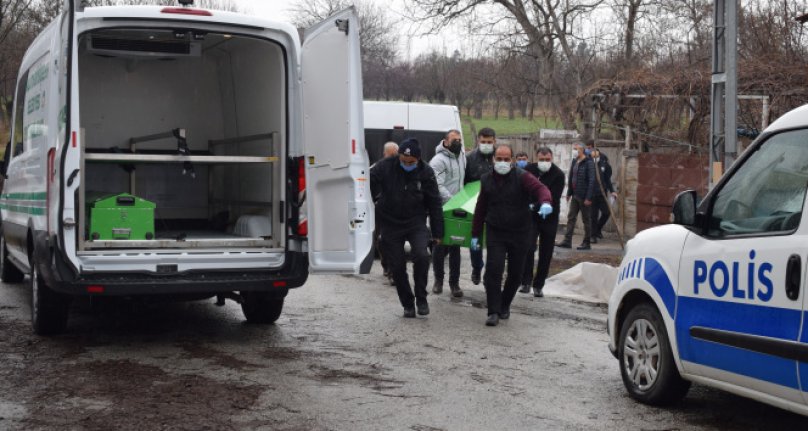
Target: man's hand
[545, 210]
[475, 244]
[437, 241]
[588, 203]
[568, 198]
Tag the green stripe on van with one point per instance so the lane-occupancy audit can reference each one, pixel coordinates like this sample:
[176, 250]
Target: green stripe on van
[23, 209]
[36, 196]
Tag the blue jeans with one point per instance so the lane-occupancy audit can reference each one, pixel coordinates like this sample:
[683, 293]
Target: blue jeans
[477, 261]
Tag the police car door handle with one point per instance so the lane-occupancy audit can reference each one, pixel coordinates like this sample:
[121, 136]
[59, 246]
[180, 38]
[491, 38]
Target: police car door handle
[793, 277]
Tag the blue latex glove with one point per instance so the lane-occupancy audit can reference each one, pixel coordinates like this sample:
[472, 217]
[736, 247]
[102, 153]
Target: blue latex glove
[545, 210]
[475, 244]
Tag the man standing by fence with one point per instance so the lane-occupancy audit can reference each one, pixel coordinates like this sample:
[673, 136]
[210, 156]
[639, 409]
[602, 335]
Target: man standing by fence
[600, 202]
[449, 164]
[580, 191]
[479, 162]
[544, 230]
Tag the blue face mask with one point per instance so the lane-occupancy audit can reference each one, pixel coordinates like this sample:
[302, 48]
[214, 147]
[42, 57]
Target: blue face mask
[521, 163]
[587, 151]
[408, 168]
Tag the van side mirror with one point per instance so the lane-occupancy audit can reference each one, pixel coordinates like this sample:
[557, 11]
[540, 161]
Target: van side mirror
[684, 208]
[6, 158]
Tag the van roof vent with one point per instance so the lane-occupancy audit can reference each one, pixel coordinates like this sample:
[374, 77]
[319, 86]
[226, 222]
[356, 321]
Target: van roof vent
[142, 48]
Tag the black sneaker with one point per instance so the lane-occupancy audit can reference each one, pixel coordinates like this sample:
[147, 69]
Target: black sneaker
[525, 288]
[475, 276]
[456, 292]
[437, 286]
[538, 293]
[564, 244]
[409, 312]
[584, 246]
[423, 308]
[505, 314]
[492, 320]
[594, 240]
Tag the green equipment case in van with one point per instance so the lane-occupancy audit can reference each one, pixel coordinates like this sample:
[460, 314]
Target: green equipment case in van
[122, 216]
[458, 214]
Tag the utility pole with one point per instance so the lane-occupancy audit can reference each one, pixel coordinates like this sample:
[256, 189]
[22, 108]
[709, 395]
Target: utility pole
[724, 91]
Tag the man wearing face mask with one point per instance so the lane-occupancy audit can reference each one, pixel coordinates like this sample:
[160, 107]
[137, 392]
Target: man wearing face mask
[406, 193]
[544, 230]
[580, 192]
[504, 211]
[479, 162]
[449, 164]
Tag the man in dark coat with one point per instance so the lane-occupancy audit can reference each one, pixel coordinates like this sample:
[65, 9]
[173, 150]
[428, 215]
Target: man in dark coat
[479, 162]
[600, 203]
[544, 230]
[580, 192]
[503, 210]
[405, 191]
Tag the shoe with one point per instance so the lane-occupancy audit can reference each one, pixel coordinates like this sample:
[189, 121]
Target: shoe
[492, 320]
[525, 288]
[584, 246]
[409, 312]
[538, 293]
[475, 276]
[505, 315]
[594, 240]
[598, 236]
[564, 244]
[437, 286]
[423, 308]
[456, 292]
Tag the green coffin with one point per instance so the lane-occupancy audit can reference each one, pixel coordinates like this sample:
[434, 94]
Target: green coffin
[458, 214]
[122, 216]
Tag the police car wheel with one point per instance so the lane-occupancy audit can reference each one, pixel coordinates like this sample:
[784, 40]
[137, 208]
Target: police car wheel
[646, 361]
[8, 272]
[49, 310]
[261, 308]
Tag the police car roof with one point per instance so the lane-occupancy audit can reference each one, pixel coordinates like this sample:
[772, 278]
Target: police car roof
[792, 119]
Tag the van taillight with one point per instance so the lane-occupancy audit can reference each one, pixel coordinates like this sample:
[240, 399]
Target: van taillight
[186, 11]
[302, 219]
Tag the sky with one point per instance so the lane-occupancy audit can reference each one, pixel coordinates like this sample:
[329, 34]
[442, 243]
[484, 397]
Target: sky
[411, 37]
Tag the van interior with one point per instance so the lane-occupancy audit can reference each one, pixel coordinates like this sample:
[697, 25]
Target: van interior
[191, 122]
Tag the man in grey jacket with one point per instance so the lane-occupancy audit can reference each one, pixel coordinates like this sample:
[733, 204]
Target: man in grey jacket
[449, 164]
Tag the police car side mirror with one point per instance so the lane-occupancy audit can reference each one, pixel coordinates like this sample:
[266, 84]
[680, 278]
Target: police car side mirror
[684, 208]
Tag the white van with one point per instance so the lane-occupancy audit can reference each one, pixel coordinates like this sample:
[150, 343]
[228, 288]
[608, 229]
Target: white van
[184, 152]
[394, 121]
[718, 297]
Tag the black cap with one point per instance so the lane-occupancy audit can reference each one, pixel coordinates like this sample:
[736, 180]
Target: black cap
[410, 147]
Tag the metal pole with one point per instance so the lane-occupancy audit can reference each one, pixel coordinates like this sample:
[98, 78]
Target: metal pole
[731, 91]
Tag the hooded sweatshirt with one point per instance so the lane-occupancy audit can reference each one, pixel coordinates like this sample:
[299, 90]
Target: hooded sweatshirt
[450, 171]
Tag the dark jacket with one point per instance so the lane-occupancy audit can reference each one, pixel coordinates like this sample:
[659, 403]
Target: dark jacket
[584, 184]
[554, 180]
[405, 199]
[504, 201]
[477, 165]
[605, 175]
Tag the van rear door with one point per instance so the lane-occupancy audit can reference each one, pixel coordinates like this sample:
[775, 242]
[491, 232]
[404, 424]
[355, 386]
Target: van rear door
[340, 211]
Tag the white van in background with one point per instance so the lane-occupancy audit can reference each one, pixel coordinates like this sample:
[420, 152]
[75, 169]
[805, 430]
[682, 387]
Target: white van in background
[393, 121]
[183, 152]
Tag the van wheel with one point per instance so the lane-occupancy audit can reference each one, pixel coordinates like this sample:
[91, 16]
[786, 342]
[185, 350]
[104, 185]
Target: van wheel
[259, 307]
[646, 361]
[8, 272]
[49, 310]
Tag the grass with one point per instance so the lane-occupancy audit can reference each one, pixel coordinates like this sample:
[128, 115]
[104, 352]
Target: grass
[504, 127]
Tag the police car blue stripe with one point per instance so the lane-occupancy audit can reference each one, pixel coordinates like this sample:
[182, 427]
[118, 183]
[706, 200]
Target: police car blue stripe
[655, 275]
[760, 320]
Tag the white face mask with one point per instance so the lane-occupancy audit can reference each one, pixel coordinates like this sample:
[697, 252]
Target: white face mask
[544, 166]
[596, 159]
[574, 154]
[486, 148]
[502, 168]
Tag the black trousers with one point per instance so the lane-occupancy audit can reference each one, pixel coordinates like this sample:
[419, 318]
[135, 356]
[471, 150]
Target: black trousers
[393, 239]
[545, 233]
[600, 214]
[502, 246]
[439, 257]
[576, 206]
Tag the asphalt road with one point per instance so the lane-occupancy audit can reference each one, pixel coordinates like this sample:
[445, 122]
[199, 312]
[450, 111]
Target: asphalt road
[341, 357]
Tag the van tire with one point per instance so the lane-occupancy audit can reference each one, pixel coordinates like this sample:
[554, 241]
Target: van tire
[262, 308]
[8, 272]
[643, 345]
[49, 309]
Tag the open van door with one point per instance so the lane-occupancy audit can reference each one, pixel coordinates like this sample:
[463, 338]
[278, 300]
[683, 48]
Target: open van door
[339, 206]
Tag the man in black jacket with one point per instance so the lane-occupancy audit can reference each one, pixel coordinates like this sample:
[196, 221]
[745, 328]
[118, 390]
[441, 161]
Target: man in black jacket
[405, 191]
[600, 203]
[580, 191]
[480, 161]
[544, 230]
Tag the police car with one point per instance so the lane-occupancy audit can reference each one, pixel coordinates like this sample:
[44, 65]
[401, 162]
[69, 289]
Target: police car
[717, 297]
